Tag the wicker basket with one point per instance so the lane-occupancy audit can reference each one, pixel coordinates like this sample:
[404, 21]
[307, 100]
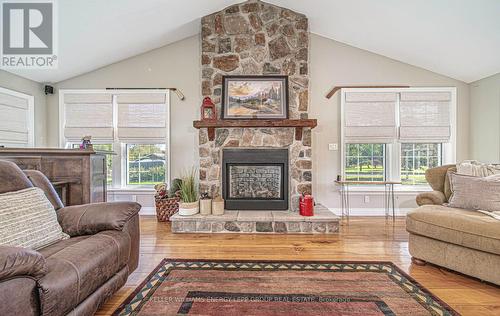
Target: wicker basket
[165, 208]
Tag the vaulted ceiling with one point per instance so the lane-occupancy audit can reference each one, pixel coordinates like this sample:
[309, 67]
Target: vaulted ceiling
[456, 38]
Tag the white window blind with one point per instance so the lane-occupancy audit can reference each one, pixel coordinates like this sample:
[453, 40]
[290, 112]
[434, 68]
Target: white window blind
[142, 116]
[88, 114]
[16, 125]
[425, 117]
[370, 117]
[117, 116]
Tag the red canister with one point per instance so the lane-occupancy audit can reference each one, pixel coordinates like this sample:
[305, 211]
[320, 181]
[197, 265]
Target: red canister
[306, 205]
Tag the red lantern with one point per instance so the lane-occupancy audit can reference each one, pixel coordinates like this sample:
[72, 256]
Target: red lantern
[208, 110]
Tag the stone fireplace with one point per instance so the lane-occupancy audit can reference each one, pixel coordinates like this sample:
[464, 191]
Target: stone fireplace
[255, 179]
[256, 38]
[256, 164]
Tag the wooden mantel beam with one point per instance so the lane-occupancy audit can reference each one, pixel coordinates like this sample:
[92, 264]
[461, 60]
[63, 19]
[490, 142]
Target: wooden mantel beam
[299, 125]
[337, 88]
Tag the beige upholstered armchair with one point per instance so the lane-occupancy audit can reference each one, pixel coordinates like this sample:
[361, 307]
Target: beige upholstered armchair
[440, 183]
[458, 239]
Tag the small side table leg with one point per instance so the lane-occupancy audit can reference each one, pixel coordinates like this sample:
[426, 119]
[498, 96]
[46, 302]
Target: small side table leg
[348, 210]
[393, 206]
[386, 202]
[342, 205]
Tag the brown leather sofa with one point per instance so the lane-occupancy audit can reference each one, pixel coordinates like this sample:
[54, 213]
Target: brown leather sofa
[74, 276]
[458, 239]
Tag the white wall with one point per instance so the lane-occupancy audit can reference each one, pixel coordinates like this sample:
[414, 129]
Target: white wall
[331, 64]
[336, 64]
[485, 119]
[20, 84]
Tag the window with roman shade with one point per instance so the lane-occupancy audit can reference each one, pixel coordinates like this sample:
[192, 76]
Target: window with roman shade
[370, 117]
[142, 116]
[397, 133]
[131, 126]
[16, 129]
[424, 117]
[88, 114]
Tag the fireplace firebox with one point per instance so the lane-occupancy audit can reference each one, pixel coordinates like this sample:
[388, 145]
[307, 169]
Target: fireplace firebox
[255, 179]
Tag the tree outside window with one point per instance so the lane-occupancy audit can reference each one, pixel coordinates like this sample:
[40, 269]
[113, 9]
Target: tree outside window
[365, 162]
[146, 164]
[416, 159]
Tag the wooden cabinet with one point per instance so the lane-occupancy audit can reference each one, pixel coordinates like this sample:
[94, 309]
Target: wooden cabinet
[80, 174]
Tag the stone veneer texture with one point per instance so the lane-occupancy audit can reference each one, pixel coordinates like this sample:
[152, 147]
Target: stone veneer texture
[256, 38]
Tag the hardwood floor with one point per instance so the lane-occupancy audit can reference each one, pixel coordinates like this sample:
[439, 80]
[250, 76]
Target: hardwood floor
[364, 238]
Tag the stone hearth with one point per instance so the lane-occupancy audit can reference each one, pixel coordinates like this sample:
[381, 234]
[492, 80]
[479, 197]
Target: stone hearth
[282, 222]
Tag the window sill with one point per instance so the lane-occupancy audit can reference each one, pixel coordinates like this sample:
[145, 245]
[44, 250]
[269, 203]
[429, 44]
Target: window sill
[131, 189]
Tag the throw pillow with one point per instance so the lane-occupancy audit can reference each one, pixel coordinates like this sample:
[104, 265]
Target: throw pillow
[477, 169]
[28, 220]
[447, 187]
[475, 193]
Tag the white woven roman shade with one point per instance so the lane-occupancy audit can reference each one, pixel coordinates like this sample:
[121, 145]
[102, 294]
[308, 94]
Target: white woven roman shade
[88, 114]
[14, 125]
[370, 117]
[142, 116]
[424, 117]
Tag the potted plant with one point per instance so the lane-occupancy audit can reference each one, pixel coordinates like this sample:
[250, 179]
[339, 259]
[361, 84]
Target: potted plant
[189, 194]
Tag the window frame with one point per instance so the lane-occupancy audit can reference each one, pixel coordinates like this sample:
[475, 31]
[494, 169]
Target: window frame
[119, 181]
[393, 149]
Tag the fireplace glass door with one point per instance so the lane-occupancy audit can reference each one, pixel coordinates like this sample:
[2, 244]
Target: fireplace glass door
[255, 179]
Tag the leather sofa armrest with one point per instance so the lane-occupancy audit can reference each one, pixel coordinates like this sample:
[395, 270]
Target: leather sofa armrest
[17, 261]
[431, 198]
[92, 218]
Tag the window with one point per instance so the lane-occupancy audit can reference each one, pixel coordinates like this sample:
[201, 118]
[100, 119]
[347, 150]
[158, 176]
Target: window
[132, 126]
[18, 129]
[396, 134]
[365, 162]
[145, 164]
[415, 159]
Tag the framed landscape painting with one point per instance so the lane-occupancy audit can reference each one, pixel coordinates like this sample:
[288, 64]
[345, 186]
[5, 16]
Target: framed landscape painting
[255, 97]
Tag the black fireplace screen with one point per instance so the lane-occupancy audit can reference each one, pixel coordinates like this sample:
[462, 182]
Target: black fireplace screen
[255, 179]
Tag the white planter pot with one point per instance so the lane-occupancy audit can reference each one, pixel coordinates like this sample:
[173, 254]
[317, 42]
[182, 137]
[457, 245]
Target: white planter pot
[188, 209]
[206, 207]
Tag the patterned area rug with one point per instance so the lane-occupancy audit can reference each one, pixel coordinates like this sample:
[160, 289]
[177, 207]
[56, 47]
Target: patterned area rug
[197, 287]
